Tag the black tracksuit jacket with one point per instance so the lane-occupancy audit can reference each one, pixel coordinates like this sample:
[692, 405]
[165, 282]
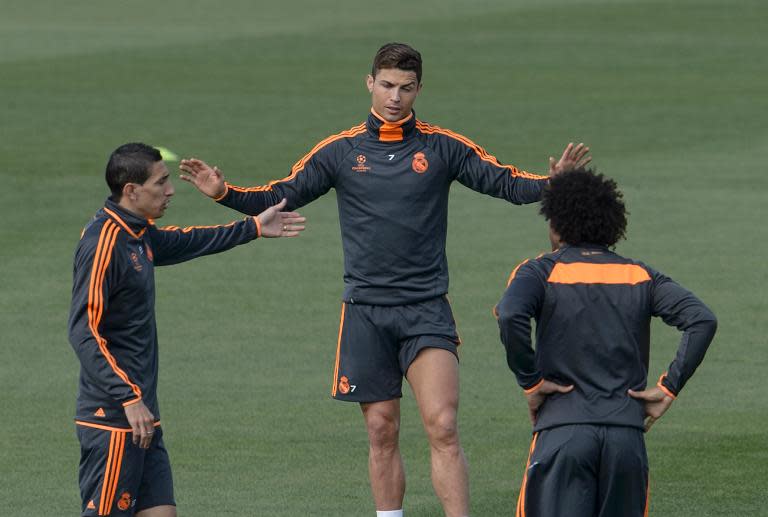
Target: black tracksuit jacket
[593, 310]
[112, 317]
[392, 182]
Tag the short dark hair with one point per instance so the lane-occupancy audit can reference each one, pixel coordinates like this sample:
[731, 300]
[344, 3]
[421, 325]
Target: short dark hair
[400, 56]
[130, 163]
[584, 207]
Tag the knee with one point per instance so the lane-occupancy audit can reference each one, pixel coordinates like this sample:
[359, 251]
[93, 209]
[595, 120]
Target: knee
[443, 431]
[383, 431]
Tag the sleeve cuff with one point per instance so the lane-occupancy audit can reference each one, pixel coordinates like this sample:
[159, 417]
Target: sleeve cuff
[226, 191]
[131, 402]
[663, 388]
[534, 388]
[258, 226]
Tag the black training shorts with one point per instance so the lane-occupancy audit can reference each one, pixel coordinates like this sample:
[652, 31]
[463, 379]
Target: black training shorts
[377, 344]
[118, 477]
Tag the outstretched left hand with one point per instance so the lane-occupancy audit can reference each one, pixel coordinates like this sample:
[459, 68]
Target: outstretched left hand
[275, 223]
[573, 157]
[655, 402]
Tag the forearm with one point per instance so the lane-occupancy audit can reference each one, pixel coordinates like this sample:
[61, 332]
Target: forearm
[521, 358]
[249, 201]
[174, 245]
[690, 353]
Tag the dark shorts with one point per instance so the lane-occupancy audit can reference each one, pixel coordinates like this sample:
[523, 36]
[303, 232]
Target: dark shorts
[119, 478]
[377, 344]
[594, 470]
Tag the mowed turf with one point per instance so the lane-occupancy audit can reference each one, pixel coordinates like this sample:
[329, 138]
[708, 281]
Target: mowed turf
[669, 95]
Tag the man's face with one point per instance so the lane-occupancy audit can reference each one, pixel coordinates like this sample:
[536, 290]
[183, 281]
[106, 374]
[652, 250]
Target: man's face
[151, 199]
[393, 92]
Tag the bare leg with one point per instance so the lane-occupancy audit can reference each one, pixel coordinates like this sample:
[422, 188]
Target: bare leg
[385, 466]
[158, 511]
[434, 379]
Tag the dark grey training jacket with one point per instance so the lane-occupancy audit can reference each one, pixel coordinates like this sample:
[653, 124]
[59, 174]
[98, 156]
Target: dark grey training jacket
[392, 182]
[593, 311]
[112, 317]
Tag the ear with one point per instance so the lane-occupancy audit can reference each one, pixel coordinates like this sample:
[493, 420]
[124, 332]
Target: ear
[129, 191]
[369, 80]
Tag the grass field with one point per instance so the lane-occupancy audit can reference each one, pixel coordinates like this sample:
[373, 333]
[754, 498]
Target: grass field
[670, 95]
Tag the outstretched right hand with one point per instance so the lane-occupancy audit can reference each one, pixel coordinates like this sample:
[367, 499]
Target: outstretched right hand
[142, 423]
[208, 180]
[275, 223]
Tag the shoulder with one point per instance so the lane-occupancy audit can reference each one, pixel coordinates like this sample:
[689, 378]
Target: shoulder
[98, 239]
[334, 146]
[342, 139]
[439, 134]
[538, 267]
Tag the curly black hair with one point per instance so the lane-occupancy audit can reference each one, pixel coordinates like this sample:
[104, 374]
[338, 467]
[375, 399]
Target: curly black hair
[584, 207]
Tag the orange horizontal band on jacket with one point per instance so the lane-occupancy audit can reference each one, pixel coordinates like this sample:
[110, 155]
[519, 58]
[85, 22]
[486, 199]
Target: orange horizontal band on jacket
[588, 273]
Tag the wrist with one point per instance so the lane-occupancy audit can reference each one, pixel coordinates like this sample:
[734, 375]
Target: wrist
[221, 194]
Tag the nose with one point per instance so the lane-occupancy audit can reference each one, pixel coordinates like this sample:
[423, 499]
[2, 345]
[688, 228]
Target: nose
[171, 191]
[395, 97]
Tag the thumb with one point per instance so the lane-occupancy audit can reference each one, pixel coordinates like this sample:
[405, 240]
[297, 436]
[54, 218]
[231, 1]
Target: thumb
[281, 204]
[552, 162]
[642, 395]
[563, 389]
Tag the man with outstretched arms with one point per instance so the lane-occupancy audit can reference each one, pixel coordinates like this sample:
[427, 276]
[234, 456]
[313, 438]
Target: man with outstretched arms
[392, 174]
[585, 383]
[124, 466]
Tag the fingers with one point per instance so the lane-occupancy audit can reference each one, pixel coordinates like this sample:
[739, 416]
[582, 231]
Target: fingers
[652, 395]
[649, 421]
[135, 433]
[567, 152]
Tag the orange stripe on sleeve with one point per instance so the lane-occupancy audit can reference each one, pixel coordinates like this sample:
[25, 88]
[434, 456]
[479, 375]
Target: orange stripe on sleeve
[188, 229]
[299, 165]
[258, 226]
[338, 352]
[589, 273]
[102, 258]
[482, 153]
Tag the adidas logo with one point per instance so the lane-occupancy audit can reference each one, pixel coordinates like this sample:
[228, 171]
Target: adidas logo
[90, 506]
[100, 413]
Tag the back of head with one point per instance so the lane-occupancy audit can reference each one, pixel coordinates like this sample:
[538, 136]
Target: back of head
[400, 56]
[130, 163]
[584, 207]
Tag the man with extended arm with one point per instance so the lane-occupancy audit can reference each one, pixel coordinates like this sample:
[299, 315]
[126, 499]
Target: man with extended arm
[392, 175]
[124, 467]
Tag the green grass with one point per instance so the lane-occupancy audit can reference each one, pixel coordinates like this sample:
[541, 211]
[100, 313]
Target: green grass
[670, 96]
